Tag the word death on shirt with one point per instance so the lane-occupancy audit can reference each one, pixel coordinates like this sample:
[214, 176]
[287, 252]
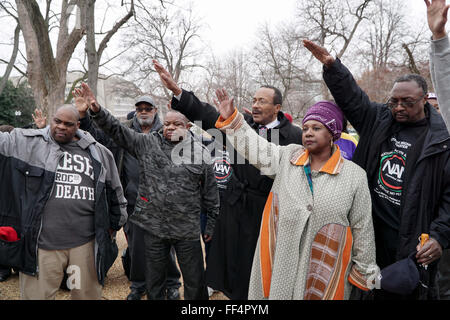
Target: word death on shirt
[74, 192]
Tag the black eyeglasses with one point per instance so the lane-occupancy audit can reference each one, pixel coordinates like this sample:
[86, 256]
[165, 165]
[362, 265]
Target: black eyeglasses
[146, 109]
[393, 103]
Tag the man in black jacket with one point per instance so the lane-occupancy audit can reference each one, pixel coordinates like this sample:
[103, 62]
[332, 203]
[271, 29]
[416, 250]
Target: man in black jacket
[237, 228]
[404, 148]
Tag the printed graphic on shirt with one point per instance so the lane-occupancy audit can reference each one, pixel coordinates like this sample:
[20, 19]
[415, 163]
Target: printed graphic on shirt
[74, 178]
[391, 171]
[222, 169]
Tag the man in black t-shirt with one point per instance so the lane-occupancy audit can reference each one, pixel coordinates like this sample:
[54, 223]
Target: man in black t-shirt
[404, 147]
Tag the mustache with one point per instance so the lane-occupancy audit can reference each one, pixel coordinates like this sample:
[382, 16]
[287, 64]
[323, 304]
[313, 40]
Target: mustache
[148, 121]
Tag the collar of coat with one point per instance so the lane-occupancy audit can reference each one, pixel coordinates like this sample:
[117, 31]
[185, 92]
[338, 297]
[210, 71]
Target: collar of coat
[283, 126]
[86, 139]
[332, 166]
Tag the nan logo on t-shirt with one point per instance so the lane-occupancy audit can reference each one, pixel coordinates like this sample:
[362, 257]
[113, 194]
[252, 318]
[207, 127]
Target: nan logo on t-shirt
[391, 171]
[222, 169]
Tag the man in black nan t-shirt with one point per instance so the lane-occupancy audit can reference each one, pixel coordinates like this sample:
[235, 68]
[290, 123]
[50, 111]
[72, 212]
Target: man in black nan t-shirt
[404, 147]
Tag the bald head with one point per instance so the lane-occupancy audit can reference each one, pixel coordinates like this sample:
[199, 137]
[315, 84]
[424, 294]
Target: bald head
[70, 109]
[175, 126]
[177, 114]
[65, 124]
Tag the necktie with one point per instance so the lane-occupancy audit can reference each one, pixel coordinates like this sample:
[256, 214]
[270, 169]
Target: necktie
[262, 130]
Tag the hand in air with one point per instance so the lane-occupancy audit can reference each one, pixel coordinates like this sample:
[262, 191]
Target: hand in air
[224, 103]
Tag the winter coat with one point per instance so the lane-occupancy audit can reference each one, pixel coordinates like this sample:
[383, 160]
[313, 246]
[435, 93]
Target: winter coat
[313, 244]
[28, 162]
[425, 203]
[242, 201]
[175, 179]
[127, 165]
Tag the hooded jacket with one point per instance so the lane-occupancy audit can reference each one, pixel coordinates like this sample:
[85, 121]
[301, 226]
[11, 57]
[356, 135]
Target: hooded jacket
[28, 164]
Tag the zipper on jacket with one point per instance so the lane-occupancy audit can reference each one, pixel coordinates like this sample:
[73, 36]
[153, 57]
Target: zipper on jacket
[40, 226]
[98, 263]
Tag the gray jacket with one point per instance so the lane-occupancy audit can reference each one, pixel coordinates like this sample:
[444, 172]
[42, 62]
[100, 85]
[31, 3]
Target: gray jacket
[172, 187]
[28, 163]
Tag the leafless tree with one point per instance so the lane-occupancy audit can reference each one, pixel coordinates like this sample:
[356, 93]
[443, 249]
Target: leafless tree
[232, 71]
[8, 8]
[391, 47]
[169, 35]
[280, 60]
[94, 54]
[333, 24]
[46, 72]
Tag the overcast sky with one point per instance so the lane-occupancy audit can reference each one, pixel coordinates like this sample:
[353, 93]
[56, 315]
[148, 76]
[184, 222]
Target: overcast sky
[233, 23]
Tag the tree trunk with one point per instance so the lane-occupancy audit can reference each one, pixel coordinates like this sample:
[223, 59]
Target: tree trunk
[46, 74]
[91, 50]
[12, 60]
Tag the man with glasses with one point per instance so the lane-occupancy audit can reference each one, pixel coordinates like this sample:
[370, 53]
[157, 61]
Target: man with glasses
[145, 120]
[242, 202]
[404, 148]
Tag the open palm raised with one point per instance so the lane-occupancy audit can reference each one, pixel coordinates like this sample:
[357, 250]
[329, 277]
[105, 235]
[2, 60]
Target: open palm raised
[225, 104]
[319, 52]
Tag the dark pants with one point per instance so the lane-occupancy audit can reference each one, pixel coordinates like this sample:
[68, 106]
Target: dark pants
[443, 276]
[135, 236]
[190, 259]
[5, 271]
[203, 222]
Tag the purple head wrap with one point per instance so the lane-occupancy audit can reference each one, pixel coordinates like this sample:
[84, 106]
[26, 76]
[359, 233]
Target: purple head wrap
[329, 114]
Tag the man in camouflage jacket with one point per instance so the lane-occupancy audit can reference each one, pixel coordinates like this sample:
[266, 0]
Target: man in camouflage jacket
[176, 179]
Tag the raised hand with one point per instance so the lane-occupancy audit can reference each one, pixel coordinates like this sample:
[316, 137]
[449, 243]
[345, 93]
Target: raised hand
[437, 17]
[167, 79]
[80, 102]
[225, 104]
[319, 52]
[39, 119]
[89, 96]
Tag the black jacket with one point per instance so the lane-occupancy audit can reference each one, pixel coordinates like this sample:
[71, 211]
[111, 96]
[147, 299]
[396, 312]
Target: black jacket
[242, 203]
[425, 204]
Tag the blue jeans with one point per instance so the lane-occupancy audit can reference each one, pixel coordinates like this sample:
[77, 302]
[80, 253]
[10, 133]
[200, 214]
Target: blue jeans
[190, 259]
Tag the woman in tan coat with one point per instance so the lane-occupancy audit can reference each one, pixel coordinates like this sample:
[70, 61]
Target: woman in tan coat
[316, 239]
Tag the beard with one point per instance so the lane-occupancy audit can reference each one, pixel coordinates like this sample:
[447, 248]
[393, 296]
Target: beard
[148, 122]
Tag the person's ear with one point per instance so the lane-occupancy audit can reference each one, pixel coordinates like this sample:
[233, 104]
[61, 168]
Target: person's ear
[277, 108]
